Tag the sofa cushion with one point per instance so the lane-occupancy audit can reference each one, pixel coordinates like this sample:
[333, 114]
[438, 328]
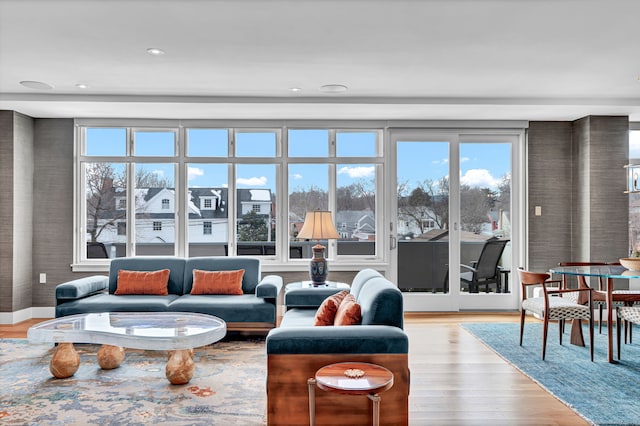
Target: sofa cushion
[244, 308]
[143, 282]
[348, 312]
[149, 263]
[326, 313]
[354, 339]
[112, 303]
[251, 267]
[298, 317]
[217, 282]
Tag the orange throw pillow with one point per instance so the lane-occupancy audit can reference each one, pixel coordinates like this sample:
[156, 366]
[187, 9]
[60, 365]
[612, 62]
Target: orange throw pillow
[143, 282]
[348, 312]
[217, 282]
[326, 313]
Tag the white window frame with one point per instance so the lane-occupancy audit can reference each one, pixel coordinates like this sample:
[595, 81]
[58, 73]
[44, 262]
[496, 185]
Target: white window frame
[280, 261]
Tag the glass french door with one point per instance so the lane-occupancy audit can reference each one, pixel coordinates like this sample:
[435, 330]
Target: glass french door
[453, 219]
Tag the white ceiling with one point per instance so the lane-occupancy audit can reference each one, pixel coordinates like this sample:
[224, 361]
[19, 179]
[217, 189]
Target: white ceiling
[401, 59]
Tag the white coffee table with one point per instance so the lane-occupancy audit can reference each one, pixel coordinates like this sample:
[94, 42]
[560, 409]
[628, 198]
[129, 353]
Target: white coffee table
[178, 332]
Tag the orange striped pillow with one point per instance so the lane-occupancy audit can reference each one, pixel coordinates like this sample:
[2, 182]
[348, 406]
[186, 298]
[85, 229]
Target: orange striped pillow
[217, 282]
[143, 282]
[349, 312]
[326, 313]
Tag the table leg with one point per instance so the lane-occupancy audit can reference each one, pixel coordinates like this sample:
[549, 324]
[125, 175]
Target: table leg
[312, 401]
[376, 408]
[65, 361]
[610, 319]
[110, 357]
[577, 338]
[180, 367]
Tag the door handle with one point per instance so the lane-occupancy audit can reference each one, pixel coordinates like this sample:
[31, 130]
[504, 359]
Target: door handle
[392, 242]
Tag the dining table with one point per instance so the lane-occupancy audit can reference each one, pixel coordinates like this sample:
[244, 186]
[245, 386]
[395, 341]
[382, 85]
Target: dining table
[606, 292]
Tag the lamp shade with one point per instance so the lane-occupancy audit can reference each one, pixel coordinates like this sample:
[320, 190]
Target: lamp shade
[318, 225]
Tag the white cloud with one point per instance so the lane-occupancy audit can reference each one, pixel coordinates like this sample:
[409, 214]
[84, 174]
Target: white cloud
[465, 159]
[253, 181]
[358, 172]
[479, 178]
[195, 172]
[158, 172]
[297, 176]
[443, 161]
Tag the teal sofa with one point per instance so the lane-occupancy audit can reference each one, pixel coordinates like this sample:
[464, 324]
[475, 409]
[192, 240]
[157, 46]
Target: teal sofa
[297, 349]
[256, 309]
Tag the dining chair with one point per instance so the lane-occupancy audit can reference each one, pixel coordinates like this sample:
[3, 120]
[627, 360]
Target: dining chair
[599, 300]
[553, 306]
[628, 314]
[485, 270]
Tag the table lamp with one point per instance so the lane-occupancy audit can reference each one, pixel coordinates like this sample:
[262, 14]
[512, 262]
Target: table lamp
[318, 225]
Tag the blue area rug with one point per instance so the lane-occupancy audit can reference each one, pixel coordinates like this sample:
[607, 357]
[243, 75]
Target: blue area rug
[602, 393]
[228, 387]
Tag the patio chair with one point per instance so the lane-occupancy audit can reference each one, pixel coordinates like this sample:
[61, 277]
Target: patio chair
[96, 251]
[552, 306]
[484, 271]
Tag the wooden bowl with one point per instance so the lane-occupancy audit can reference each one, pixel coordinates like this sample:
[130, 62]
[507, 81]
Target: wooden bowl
[631, 263]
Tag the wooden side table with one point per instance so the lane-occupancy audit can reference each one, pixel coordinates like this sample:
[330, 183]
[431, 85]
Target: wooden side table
[351, 378]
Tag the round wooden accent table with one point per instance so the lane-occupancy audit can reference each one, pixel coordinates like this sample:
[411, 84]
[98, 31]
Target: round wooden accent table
[351, 378]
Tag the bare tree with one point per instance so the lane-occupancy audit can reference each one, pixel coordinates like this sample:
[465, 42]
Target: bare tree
[360, 195]
[414, 206]
[427, 200]
[101, 182]
[475, 204]
[103, 185]
[311, 198]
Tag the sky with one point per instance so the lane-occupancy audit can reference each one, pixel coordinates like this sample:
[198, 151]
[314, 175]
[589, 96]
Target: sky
[481, 164]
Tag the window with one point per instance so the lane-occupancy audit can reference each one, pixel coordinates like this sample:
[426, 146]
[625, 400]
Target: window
[208, 190]
[208, 142]
[104, 182]
[634, 198]
[206, 228]
[137, 178]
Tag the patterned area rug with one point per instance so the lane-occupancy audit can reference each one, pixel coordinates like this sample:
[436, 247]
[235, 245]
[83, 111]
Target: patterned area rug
[228, 387]
[602, 393]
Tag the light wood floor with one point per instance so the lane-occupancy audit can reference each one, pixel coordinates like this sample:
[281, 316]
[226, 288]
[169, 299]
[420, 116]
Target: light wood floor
[456, 380]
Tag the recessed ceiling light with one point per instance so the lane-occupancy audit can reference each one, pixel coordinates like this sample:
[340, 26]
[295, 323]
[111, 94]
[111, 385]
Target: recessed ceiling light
[296, 89]
[36, 85]
[82, 86]
[155, 51]
[333, 88]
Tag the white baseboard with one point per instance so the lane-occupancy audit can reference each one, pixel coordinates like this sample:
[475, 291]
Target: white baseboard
[26, 314]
